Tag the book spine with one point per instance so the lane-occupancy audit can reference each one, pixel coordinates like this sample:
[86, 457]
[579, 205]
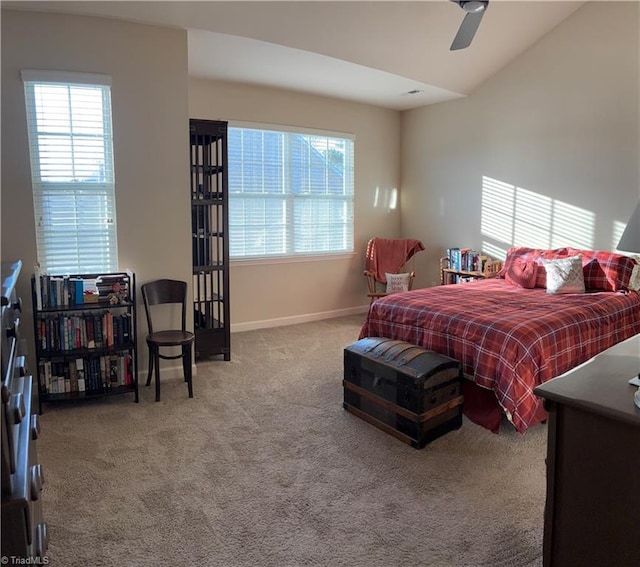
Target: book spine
[73, 376]
[37, 280]
[91, 343]
[97, 329]
[80, 374]
[114, 371]
[78, 285]
[103, 372]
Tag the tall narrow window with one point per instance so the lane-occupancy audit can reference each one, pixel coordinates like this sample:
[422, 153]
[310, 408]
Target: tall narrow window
[71, 147]
[290, 193]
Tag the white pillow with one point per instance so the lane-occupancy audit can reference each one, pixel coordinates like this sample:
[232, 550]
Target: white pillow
[634, 280]
[564, 275]
[397, 282]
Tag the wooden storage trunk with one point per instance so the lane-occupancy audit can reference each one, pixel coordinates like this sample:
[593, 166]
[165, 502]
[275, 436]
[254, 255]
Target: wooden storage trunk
[412, 393]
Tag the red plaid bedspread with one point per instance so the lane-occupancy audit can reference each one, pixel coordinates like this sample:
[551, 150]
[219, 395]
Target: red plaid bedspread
[508, 339]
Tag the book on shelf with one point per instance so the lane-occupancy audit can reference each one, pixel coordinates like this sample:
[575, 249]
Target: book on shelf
[454, 258]
[90, 291]
[38, 273]
[80, 374]
[73, 376]
[91, 343]
[68, 331]
[466, 260]
[67, 291]
[89, 374]
[114, 372]
[77, 291]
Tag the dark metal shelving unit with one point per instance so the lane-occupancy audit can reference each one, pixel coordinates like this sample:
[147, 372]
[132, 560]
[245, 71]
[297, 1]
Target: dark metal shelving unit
[210, 245]
[57, 320]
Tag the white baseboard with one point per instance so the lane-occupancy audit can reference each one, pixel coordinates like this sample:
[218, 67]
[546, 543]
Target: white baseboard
[172, 371]
[295, 319]
[166, 371]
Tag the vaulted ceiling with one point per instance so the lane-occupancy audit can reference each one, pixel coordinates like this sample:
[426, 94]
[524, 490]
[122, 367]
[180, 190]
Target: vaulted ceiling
[372, 52]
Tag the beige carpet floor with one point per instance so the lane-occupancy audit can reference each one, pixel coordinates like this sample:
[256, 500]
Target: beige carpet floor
[263, 467]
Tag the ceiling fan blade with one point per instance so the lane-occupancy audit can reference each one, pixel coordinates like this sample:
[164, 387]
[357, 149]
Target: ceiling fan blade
[467, 30]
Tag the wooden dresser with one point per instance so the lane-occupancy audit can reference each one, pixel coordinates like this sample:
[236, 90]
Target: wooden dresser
[592, 511]
[24, 531]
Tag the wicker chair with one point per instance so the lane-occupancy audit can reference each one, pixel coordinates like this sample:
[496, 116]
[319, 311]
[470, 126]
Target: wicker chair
[389, 256]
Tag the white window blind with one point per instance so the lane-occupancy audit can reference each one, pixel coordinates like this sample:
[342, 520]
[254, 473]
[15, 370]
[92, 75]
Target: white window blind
[71, 148]
[290, 193]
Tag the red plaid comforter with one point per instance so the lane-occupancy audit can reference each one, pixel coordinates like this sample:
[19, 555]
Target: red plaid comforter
[508, 339]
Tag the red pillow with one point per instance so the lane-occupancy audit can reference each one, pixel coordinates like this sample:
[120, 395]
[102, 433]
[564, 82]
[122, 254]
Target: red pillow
[604, 270]
[527, 254]
[522, 273]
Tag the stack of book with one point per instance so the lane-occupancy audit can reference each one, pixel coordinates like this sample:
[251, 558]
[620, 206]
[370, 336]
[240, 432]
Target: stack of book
[67, 291]
[66, 331]
[89, 374]
[466, 260]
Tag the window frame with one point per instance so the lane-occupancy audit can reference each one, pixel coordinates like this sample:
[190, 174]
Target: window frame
[289, 196]
[92, 237]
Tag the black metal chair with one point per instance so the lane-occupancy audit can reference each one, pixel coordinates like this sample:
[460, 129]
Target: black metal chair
[167, 292]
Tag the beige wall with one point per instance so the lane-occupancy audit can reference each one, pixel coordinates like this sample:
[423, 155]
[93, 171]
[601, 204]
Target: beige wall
[267, 294]
[152, 100]
[148, 66]
[560, 121]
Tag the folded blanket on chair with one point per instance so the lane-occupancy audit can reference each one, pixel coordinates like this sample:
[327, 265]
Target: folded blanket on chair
[388, 255]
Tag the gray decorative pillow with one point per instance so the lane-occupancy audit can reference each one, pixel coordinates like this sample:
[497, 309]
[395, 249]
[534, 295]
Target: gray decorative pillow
[634, 280]
[397, 282]
[564, 275]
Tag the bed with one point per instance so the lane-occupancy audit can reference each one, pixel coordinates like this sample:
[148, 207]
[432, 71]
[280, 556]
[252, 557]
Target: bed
[510, 338]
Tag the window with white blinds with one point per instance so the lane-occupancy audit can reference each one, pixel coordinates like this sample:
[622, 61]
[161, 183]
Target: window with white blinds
[290, 193]
[71, 148]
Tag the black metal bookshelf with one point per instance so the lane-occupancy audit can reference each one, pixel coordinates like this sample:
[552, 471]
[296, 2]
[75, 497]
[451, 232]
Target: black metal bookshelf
[85, 335]
[210, 237]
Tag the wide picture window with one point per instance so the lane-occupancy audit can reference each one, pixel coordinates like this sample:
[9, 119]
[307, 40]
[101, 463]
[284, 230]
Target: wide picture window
[71, 148]
[290, 193]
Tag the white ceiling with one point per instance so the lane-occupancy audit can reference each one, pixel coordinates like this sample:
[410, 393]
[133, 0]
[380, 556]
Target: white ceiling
[372, 52]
